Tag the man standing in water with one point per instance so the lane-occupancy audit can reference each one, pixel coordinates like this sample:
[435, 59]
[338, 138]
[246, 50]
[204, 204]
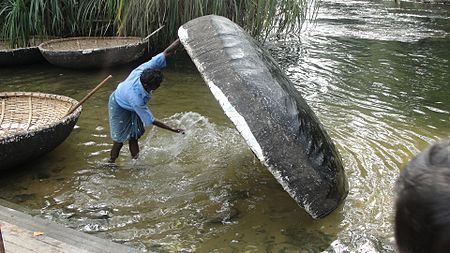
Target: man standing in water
[127, 107]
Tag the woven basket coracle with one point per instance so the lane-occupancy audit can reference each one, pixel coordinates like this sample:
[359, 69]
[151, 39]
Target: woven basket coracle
[32, 124]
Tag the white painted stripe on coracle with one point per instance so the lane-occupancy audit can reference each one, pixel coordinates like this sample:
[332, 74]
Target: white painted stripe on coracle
[228, 108]
[237, 119]
[182, 34]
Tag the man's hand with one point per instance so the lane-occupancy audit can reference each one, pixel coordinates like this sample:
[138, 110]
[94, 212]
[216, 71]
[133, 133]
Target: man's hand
[178, 130]
[170, 50]
[164, 126]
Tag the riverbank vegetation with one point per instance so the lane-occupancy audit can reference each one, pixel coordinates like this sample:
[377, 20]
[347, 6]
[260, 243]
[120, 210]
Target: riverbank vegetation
[22, 19]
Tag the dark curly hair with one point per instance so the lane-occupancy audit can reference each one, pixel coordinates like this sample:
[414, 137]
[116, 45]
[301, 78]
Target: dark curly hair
[151, 78]
[422, 215]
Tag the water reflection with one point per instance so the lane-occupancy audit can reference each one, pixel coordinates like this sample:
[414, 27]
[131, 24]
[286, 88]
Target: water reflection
[377, 83]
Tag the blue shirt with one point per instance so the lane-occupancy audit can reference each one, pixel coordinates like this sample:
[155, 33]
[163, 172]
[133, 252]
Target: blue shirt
[131, 95]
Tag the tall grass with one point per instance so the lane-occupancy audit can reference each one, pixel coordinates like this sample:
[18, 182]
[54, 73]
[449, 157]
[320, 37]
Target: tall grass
[258, 17]
[98, 17]
[16, 28]
[22, 18]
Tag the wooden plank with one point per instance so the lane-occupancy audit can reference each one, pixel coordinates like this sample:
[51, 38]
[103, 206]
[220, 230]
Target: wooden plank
[18, 239]
[18, 229]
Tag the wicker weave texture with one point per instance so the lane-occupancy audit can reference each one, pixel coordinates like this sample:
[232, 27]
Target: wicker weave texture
[89, 43]
[22, 112]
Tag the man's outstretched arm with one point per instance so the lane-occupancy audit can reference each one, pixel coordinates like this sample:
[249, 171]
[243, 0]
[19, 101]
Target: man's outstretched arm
[170, 50]
[164, 126]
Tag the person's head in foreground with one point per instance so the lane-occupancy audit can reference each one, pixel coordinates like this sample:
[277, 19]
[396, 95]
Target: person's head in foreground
[422, 208]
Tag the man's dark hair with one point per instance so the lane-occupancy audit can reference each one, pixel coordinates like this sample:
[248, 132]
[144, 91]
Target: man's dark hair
[151, 77]
[422, 208]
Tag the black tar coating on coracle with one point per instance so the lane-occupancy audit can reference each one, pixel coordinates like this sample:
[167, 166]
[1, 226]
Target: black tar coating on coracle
[295, 147]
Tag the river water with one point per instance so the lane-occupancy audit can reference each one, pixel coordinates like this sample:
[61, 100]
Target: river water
[375, 73]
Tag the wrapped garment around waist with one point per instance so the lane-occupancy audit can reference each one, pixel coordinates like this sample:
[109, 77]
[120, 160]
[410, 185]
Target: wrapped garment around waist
[123, 124]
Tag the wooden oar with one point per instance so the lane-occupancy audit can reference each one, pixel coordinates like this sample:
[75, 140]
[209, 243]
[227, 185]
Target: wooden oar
[88, 95]
[2, 245]
[150, 35]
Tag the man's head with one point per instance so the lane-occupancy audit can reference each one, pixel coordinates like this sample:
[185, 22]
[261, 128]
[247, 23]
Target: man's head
[151, 79]
[422, 208]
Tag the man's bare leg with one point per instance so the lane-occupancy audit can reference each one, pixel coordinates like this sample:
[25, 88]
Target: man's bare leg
[115, 151]
[134, 148]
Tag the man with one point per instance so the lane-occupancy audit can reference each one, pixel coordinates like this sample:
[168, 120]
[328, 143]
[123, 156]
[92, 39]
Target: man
[422, 208]
[127, 107]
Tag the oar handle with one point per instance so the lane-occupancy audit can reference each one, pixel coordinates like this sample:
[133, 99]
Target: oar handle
[89, 95]
[151, 34]
[2, 245]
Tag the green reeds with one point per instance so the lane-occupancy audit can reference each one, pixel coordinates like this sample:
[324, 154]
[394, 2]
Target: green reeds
[15, 29]
[22, 18]
[97, 17]
[258, 17]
